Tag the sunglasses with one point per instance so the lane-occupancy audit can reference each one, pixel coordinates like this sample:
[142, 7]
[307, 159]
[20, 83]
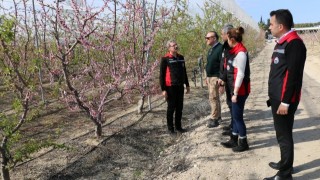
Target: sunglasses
[207, 38]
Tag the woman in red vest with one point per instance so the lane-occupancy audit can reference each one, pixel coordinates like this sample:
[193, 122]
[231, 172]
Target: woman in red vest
[238, 81]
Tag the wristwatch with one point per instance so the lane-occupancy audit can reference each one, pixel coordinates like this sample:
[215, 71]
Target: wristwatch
[233, 94]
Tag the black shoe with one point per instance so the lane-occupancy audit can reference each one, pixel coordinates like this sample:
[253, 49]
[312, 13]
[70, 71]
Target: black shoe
[243, 146]
[213, 123]
[276, 177]
[180, 130]
[233, 142]
[226, 128]
[226, 133]
[171, 132]
[276, 166]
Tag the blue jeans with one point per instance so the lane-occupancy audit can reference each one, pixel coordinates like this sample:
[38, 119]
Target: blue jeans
[238, 125]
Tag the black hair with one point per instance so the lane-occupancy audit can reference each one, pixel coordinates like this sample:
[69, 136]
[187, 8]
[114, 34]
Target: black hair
[215, 35]
[284, 17]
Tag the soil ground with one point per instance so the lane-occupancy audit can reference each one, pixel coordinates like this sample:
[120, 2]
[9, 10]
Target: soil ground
[137, 146]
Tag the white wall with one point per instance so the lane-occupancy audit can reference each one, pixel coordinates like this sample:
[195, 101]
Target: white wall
[230, 6]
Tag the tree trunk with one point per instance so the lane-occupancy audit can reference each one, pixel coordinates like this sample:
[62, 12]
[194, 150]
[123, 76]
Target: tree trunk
[5, 171]
[98, 130]
[140, 104]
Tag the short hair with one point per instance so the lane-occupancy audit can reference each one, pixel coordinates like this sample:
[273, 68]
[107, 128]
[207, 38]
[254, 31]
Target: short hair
[284, 17]
[236, 33]
[227, 27]
[170, 41]
[215, 34]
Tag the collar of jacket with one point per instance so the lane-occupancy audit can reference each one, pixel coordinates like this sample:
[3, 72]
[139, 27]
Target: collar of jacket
[215, 44]
[289, 37]
[238, 48]
[168, 55]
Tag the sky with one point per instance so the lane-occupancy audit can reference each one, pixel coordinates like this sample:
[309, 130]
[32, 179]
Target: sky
[303, 11]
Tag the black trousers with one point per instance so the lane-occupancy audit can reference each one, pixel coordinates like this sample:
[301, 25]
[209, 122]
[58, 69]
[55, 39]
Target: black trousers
[175, 106]
[283, 125]
[229, 102]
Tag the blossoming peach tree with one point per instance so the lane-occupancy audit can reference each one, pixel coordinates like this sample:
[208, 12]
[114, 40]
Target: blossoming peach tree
[100, 51]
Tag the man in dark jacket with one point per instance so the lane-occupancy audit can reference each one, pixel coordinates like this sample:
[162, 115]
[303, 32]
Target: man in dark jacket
[285, 82]
[223, 76]
[212, 70]
[173, 76]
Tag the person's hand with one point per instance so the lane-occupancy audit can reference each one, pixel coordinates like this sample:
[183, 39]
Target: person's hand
[221, 89]
[220, 82]
[282, 110]
[164, 94]
[188, 90]
[234, 98]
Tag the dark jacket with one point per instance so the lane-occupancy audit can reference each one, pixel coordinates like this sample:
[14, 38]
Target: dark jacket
[173, 71]
[286, 71]
[225, 55]
[213, 60]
